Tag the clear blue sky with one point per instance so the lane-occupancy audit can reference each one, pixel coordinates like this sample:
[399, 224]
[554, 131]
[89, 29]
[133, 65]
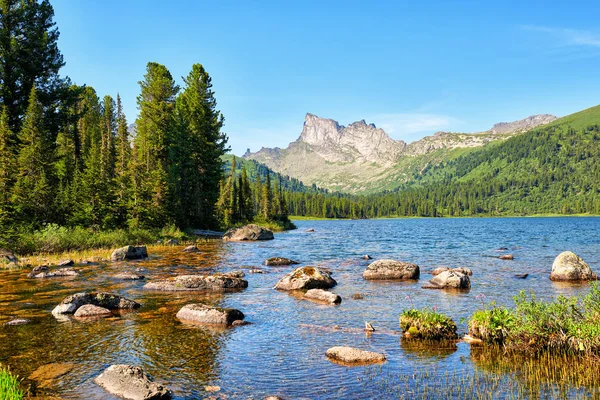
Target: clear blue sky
[412, 68]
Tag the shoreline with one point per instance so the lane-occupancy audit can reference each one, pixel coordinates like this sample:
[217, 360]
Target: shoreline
[304, 218]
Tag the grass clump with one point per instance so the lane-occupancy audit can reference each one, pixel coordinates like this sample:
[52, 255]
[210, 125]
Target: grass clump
[427, 324]
[566, 324]
[9, 386]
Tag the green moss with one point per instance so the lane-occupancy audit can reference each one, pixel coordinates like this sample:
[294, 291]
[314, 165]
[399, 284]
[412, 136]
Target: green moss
[427, 324]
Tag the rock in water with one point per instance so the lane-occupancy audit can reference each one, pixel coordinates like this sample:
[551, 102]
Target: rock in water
[367, 257]
[204, 314]
[90, 310]
[129, 253]
[279, 261]
[248, 233]
[107, 300]
[449, 280]
[216, 282]
[568, 266]
[369, 327]
[191, 249]
[350, 355]
[306, 278]
[322, 296]
[131, 383]
[44, 272]
[391, 269]
[126, 276]
[507, 257]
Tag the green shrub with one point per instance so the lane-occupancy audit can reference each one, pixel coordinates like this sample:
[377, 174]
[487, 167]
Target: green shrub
[9, 386]
[493, 325]
[427, 324]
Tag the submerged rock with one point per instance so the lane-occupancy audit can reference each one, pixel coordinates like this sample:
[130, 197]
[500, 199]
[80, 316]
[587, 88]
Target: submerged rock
[17, 321]
[279, 261]
[127, 276]
[191, 249]
[107, 300]
[45, 272]
[521, 276]
[204, 314]
[391, 269]
[90, 310]
[306, 278]
[309, 230]
[216, 282]
[248, 233]
[322, 296]
[507, 257]
[351, 355]
[449, 280]
[129, 253]
[367, 257]
[131, 383]
[568, 266]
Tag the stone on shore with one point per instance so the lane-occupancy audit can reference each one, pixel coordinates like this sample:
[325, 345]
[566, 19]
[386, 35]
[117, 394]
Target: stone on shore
[250, 232]
[129, 253]
[392, 270]
[107, 300]
[131, 383]
[204, 314]
[8, 257]
[322, 296]
[449, 280]
[216, 282]
[568, 266]
[351, 355]
[306, 278]
[279, 261]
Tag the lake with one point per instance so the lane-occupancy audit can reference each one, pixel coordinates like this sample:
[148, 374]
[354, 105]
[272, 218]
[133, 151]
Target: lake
[282, 351]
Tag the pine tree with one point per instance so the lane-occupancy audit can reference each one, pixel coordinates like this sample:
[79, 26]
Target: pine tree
[247, 197]
[267, 199]
[33, 192]
[109, 126]
[122, 166]
[7, 168]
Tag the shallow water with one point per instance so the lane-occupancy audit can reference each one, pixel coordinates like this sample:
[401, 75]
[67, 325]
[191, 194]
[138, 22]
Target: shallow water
[283, 351]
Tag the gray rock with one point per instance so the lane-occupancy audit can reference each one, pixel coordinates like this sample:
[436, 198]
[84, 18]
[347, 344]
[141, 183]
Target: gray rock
[8, 257]
[45, 272]
[568, 266]
[65, 263]
[367, 257]
[250, 232]
[351, 355]
[306, 278]
[90, 310]
[126, 276]
[279, 261]
[131, 383]
[129, 253]
[204, 314]
[172, 242]
[107, 300]
[191, 249]
[391, 269]
[17, 321]
[322, 296]
[449, 280]
[462, 270]
[216, 282]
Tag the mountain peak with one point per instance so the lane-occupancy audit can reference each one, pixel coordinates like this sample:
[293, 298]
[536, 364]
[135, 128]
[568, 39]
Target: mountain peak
[522, 125]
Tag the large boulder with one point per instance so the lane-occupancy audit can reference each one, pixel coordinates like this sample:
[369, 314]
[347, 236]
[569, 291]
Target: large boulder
[322, 296]
[45, 272]
[450, 279]
[462, 270]
[204, 314]
[391, 269]
[90, 311]
[351, 355]
[216, 282]
[248, 233]
[568, 266]
[279, 261]
[131, 383]
[106, 300]
[129, 253]
[304, 278]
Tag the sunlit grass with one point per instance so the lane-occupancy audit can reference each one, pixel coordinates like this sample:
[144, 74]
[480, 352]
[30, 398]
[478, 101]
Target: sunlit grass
[9, 386]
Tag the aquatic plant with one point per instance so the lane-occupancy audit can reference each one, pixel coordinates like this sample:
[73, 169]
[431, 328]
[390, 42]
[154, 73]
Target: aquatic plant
[427, 324]
[9, 386]
[491, 325]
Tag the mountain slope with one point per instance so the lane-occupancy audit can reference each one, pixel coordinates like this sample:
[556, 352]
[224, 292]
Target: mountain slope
[360, 158]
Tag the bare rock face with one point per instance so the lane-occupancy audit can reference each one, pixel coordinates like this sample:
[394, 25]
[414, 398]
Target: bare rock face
[90, 310]
[449, 280]
[107, 300]
[391, 269]
[204, 314]
[129, 253]
[522, 125]
[279, 261]
[45, 272]
[250, 232]
[216, 282]
[568, 266]
[131, 383]
[351, 355]
[306, 278]
[322, 296]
